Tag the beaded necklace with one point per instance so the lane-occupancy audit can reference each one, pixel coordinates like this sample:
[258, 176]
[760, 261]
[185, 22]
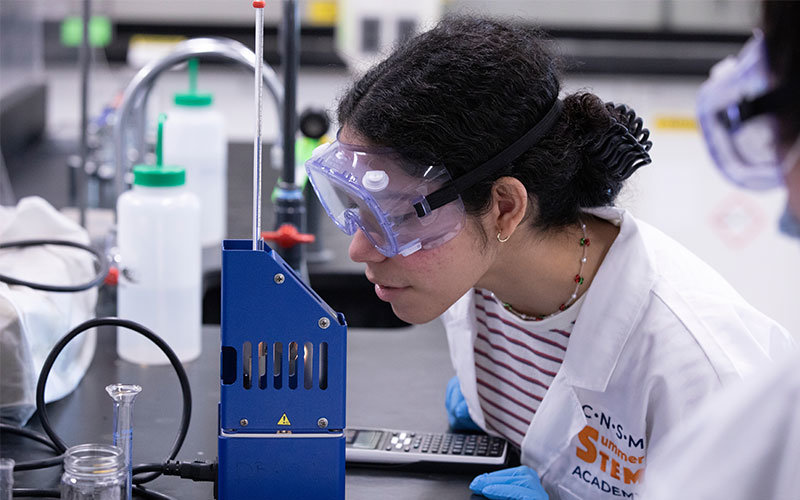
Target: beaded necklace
[584, 243]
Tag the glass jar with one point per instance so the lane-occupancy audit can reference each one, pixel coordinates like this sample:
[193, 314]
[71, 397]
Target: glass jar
[93, 472]
[6, 478]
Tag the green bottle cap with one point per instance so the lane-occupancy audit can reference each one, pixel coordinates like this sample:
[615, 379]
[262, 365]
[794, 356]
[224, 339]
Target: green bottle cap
[159, 175]
[155, 176]
[192, 98]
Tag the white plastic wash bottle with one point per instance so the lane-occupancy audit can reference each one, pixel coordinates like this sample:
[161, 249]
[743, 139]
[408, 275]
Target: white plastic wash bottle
[195, 138]
[160, 269]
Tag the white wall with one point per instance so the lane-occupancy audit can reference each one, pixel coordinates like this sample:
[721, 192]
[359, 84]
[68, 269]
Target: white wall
[684, 195]
[709, 15]
[388, 16]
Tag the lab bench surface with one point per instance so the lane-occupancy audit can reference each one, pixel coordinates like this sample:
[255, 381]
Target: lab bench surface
[396, 378]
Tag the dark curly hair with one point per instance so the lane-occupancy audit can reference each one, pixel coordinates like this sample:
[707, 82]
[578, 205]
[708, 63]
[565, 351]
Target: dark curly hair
[781, 20]
[462, 92]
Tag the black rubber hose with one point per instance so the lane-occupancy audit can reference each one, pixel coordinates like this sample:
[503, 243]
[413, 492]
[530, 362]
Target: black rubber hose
[143, 492]
[29, 434]
[140, 491]
[39, 438]
[39, 464]
[34, 493]
[142, 330]
[98, 279]
[138, 469]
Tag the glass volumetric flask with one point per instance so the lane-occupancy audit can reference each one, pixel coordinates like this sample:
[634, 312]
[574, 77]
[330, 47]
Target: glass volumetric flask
[123, 396]
[93, 472]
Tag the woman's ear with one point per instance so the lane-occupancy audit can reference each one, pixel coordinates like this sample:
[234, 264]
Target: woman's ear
[509, 205]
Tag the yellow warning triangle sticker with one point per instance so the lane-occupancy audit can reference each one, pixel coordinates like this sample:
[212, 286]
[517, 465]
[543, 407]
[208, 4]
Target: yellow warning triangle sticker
[284, 420]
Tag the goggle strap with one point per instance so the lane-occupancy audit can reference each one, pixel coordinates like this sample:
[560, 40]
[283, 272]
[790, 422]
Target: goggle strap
[736, 114]
[450, 191]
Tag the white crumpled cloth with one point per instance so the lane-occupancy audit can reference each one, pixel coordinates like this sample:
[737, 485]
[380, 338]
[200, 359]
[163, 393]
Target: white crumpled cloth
[32, 321]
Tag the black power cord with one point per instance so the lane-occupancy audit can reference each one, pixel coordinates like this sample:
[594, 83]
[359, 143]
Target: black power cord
[39, 464]
[141, 492]
[142, 330]
[196, 471]
[35, 493]
[98, 279]
[39, 438]
[27, 433]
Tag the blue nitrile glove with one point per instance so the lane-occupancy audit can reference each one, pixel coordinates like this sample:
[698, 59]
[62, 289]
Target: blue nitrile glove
[518, 483]
[457, 412]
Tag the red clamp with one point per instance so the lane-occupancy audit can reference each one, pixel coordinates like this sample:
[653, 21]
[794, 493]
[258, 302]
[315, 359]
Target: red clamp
[112, 278]
[287, 236]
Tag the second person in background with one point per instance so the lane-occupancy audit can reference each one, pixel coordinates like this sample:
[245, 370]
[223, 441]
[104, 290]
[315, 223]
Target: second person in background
[476, 192]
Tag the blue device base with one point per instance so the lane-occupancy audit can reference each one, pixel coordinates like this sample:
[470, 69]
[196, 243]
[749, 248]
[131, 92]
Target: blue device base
[282, 468]
[282, 382]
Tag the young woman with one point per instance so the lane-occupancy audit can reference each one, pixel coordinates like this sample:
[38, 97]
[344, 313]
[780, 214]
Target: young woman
[474, 191]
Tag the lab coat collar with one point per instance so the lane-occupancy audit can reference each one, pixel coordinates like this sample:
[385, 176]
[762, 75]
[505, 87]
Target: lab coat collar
[610, 313]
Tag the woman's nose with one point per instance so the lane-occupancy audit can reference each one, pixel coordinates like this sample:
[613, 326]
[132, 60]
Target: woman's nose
[362, 250]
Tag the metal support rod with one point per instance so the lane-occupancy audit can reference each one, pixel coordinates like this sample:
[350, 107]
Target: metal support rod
[291, 61]
[81, 180]
[259, 94]
[289, 204]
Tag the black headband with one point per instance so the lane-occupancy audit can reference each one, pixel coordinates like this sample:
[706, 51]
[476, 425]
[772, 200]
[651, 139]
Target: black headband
[451, 190]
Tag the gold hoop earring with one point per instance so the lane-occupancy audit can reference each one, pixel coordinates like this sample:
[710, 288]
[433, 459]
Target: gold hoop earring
[502, 240]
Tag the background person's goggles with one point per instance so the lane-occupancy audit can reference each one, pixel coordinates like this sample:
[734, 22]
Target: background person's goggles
[736, 109]
[376, 190]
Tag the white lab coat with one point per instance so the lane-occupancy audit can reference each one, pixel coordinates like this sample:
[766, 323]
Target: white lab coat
[742, 444]
[659, 330]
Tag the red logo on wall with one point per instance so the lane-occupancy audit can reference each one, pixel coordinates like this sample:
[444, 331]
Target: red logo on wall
[737, 220]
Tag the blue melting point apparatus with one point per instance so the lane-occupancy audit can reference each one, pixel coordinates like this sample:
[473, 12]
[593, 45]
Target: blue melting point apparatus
[282, 387]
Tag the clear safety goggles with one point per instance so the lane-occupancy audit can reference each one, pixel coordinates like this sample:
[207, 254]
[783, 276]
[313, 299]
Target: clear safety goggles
[379, 192]
[402, 206]
[736, 108]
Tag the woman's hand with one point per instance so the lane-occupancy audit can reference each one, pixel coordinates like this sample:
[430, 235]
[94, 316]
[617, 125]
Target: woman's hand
[518, 483]
[457, 411]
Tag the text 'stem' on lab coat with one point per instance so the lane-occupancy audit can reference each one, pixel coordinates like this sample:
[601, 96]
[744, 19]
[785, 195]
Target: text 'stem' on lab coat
[659, 330]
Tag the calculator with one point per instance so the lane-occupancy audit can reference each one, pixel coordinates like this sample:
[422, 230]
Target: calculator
[382, 446]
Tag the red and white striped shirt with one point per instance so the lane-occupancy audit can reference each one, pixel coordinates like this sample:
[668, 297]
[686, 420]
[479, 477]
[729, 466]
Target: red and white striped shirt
[515, 362]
